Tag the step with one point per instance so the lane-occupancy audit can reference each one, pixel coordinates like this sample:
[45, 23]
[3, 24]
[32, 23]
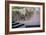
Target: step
[20, 25]
[14, 24]
[28, 26]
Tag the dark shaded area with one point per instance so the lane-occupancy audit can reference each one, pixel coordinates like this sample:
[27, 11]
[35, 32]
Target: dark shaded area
[27, 26]
[12, 21]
